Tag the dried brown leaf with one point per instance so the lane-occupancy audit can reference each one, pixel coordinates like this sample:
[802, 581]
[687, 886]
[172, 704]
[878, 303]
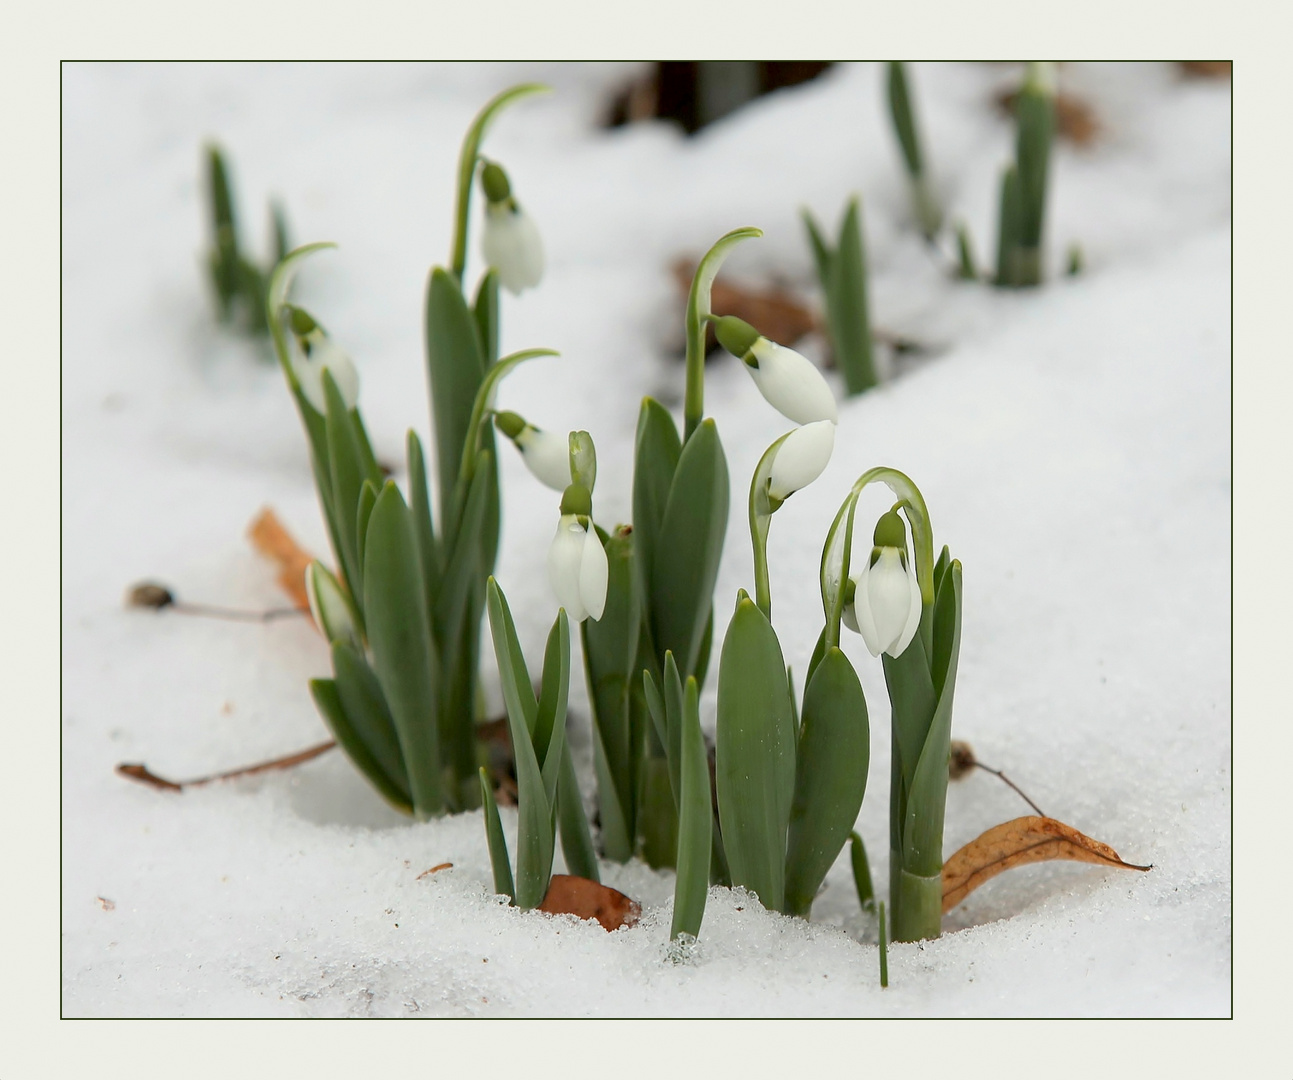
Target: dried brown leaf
[435, 869]
[1207, 69]
[570, 895]
[776, 314]
[274, 542]
[1015, 843]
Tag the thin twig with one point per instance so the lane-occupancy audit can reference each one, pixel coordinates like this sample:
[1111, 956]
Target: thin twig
[213, 611]
[143, 775]
[1003, 776]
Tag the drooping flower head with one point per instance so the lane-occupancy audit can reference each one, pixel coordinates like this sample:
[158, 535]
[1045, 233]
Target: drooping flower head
[317, 353]
[510, 242]
[882, 599]
[788, 381]
[800, 459]
[577, 566]
[545, 453]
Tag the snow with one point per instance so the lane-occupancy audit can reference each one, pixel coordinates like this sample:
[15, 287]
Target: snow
[1072, 443]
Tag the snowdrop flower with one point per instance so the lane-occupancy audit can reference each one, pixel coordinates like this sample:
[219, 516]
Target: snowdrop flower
[318, 351]
[329, 606]
[801, 459]
[545, 453]
[577, 566]
[788, 382]
[882, 600]
[510, 241]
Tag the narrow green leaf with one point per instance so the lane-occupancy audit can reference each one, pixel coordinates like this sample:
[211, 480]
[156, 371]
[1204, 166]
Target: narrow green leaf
[1035, 129]
[904, 125]
[550, 719]
[689, 547]
[967, 268]
[673, 695]
[706, 649]
[861, 873]
[485, 311]
[616, 835]
[657, 815]
[347, 474]
[831, 764]
[370, 716]
[884, 949]
[819, 650]
[278, 226]
[328, 701]
[911, 701]
[695, 821]
[656, 708]
[462, 566]
[822, 254]
[455, 368]
[400, 640]
[576, 837]
[363, 512]
[847, 305]
[420, 508]
[1009, 226]
[498, 858]
[536, 836]
[927, 801]
[756, 754]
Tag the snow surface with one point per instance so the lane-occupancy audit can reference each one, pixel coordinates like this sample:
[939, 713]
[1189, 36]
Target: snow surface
[1072, 443]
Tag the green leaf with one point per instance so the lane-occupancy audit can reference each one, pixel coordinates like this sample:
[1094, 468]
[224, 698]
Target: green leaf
[616, 835]
[498, 858]
[830, 777]
[1009, 226]
[485, 312]
[347, 474]
[370, 716]
[656, 707]
[927, 801]
[576, 837]
[756, 754]
[455, 368]
[912, 702]
[673, 725]
[278, 226]
[846, 305]
[861, 873]
[822, 254]
[689, 547]
[654, 463]
[550, 718]
[328, 701]
[462, 568]
[420, 508]
[695, 821]
[1035, 129]
[904, 125]
[657, 815]
[400, 640]
[536, 834]
[819, 651]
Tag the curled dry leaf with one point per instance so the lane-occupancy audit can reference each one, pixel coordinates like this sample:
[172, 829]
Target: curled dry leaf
[274, 542]
[1015, 843]
[570, 895]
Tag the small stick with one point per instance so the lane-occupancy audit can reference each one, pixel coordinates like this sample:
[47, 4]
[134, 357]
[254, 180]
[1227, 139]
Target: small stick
[884, 950]
[962, 760]
[151, 595]
[142, 773]
[1003, 776]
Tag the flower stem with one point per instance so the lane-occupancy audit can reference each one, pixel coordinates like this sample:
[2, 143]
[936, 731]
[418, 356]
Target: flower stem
[916, 903]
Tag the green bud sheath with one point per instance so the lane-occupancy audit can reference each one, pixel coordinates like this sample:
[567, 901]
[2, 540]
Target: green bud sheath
[494, 182]
[737, 336]
[890, 531]
[302, 322]
[510, 424]
[577, 500]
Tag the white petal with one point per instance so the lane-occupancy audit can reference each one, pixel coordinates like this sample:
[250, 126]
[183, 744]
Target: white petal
[594, 572]
[564, 559]
[913, 616]
[864, 623]
[511, 245]
[325, 353]
[791, 384]
[547, 455]
[889, 598]
[801, 458]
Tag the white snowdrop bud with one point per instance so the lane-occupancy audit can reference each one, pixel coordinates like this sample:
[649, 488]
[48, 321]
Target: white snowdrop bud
[801, 458]
[329, 606]
[884, 605]
[577, 567]
[546, 454]
[788, 381]
[510, 241]
[317, 352]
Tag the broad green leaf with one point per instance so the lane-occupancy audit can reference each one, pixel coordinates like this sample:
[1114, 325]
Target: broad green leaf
[550, 718]
[847, 303]
[927, 799]
[911, 702]
[576, 837]
[485, 311]
[535, 838]
[328, 701]
[455, 367]
[400, 640]
[756, 754]
[830, 777]
[370, 716]
[497, 842]
[654, 463]
[689, 547]
[420, 508]
[657, 815]
[695, 821]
